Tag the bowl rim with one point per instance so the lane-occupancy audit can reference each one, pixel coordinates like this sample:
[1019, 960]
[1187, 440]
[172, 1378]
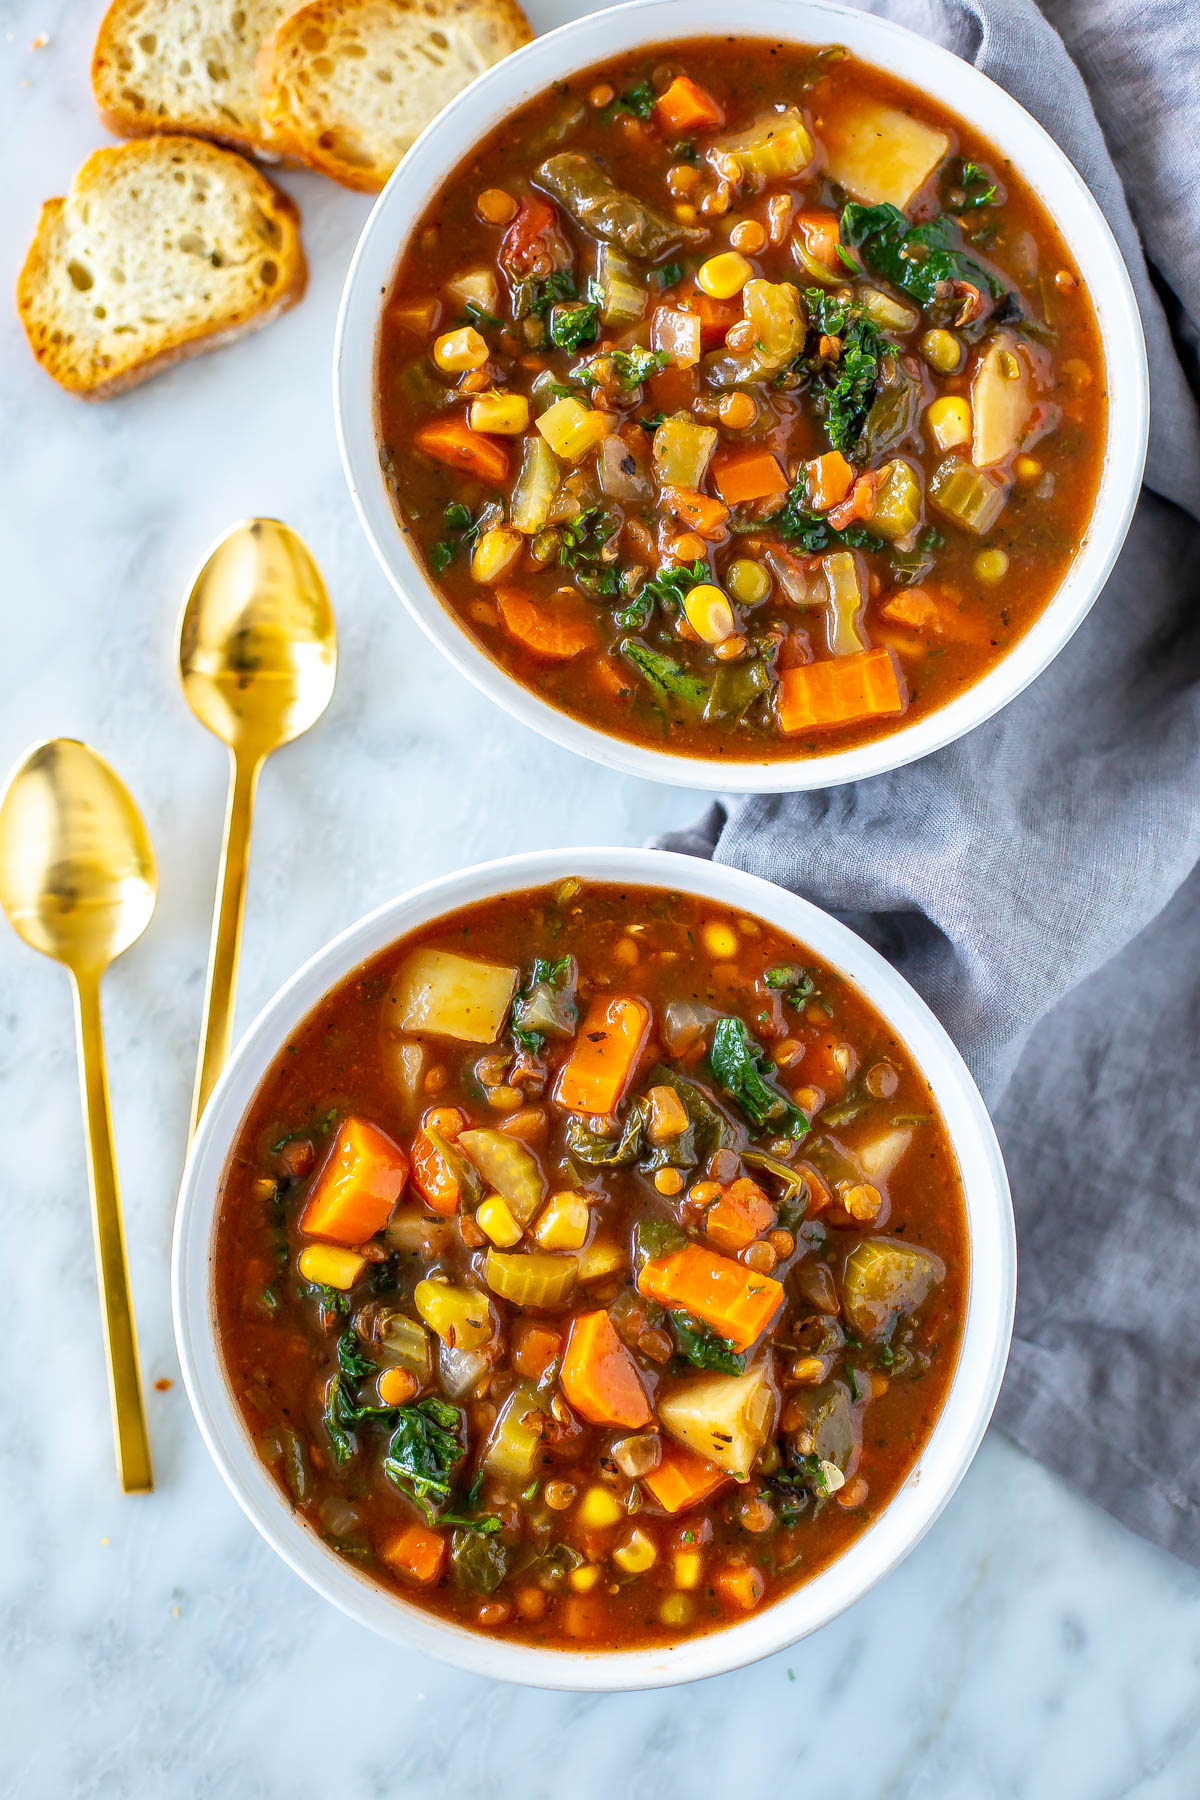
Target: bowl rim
[956, 1434]
[949, 82]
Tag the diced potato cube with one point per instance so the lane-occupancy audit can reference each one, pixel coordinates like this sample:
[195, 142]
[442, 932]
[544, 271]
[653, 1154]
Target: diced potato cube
[563, 1222]
[878, 1155]
[479, 286]
[461, 1317]
[495, 553]
[448, 995]
[725, 1418]
[677, 334]
[507, 415]
[683, 451]
[1001, 400]
[878, 153]
[571, 430]
[949, 421]
[603, 1257]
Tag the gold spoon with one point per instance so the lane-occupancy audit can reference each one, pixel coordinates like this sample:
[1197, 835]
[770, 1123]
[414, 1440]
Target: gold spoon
[78, 882]
[257, 659]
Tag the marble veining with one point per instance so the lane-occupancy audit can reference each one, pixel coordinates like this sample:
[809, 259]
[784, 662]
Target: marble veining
[1029, 1650]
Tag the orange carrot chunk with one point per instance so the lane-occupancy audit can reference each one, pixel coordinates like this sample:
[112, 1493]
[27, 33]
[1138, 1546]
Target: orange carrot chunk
[840, 692]
[829, 480]
[736, 1301]
[699, 512]
[741, 1214]
[599, 1377]
[554, 630]
[752, 475]
[716, 316]
[416, 1553]
[683, 1479]
[535, 1347]
[603, 1057]
[433, 1177]
[740, 1586]
[451, 441]
[359, 1183]
[686, 106]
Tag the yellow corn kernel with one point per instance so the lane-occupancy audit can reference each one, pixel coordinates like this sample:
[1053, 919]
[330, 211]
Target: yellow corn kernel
[724, 275]
[708, 613]
[506, 414]
[942, 351]
[563, 1222]
[495, 553]
[720, 941]
[747, 581]
[1027, 468]
[584, 1578]
[949, 419]
[461, 1317]
[455, 351]
[600, 1259]
[668, 1115]
[991, 565]
[687, 1566]
[677, 1610]
[636, 1553]
[328, 1265]
[494, 1215]
[599, 1507]
[571, 430]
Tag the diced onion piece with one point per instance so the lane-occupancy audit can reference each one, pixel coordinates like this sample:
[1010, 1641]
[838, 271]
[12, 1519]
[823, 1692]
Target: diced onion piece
[459, 1371]
[878, 1155]
[530, 1279]
[623, 295]
[621, 474]
[677, 333]
[447, 995]
[516, 1436]
[536, 486]
[405, 1058]
[479, 286]
[404, 1343]
[1001, 401]
[878, 153]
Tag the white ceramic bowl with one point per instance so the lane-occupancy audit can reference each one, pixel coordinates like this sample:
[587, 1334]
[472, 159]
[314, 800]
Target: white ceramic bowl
[949, 82]
[955, 1437]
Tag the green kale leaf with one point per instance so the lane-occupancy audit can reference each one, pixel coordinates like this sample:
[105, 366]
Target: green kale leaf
[743, 1071]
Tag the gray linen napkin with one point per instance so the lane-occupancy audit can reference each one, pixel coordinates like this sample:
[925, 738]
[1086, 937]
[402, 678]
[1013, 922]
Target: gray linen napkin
[1038, 882]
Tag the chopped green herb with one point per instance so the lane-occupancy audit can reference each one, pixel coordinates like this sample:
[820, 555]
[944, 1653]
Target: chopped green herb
[474, 314]
[669, 275]
[573, 326]
[795, 983]
[666, 678]
[638, 100]
[427, 1446]
[666, 589]
[916, 258]
[743, 1071]
[637, 365]
[703, 1347]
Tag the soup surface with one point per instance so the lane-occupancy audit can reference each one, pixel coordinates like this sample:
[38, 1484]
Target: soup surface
[740, 401]
[590, 1267]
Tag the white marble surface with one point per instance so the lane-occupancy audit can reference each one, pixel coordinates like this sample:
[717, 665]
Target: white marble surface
[154, 1647]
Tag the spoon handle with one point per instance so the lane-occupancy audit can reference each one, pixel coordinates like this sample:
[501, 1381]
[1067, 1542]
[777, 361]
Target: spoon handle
[124, 1381]
[216, 1028]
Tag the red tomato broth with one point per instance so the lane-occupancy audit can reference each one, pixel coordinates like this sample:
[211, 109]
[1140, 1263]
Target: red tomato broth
[614, 1529]
[938, 614]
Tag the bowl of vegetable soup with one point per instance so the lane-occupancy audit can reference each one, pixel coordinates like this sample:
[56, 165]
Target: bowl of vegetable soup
[595, 1269]
[756, 412]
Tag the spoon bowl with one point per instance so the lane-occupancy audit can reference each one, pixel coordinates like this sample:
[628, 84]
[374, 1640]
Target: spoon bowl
[77, 874]
[258, 643]
[78, 882]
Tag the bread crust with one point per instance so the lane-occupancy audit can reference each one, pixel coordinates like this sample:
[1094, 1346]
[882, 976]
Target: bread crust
[281, 60]
[35, 284]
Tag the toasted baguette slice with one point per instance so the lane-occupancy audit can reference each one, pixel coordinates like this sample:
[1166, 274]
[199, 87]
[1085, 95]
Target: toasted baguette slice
[348, 84]
[176, 65]
[163, 247]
